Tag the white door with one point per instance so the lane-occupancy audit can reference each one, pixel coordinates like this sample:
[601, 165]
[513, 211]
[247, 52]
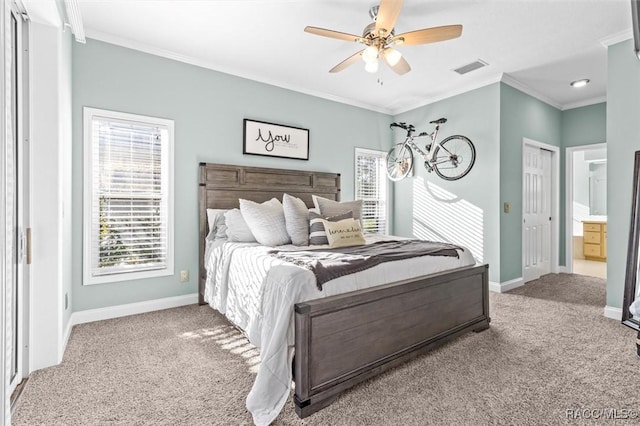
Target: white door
[536, 208]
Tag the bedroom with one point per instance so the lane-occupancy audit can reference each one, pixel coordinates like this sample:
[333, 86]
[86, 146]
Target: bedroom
[208, 107]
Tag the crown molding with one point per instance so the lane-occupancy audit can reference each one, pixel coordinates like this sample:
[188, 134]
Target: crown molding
[473, 85]
[74, 19]
[617, 38]
[507, 79]
[584, 103]
[153, 50]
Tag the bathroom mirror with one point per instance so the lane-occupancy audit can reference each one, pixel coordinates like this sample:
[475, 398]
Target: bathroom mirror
[631, 288]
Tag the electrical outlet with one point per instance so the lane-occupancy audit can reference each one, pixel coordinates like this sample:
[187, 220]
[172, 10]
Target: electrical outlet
[184, 276]
[507, 207]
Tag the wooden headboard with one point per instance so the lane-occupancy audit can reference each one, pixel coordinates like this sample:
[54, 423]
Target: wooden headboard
[222, 185]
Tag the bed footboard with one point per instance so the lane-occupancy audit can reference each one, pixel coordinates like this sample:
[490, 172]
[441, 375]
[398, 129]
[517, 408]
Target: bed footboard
[345, 339]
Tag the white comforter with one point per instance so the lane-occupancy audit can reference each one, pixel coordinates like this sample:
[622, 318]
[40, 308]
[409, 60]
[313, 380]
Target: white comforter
[257, 292]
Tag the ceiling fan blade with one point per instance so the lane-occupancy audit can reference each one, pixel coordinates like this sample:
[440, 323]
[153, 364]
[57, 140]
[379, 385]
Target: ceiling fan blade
[428, 35]
[349, 61]
[388, 13]
[332, 34]
[400, 68]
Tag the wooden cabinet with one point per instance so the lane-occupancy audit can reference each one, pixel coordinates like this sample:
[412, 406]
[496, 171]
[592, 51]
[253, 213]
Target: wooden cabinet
[595, 240]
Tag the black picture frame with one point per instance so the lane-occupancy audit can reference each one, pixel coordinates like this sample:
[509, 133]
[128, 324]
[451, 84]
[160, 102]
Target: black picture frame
[275, 140]
[631, 278]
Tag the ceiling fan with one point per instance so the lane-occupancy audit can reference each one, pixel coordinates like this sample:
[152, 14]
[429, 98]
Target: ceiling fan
[379, 38]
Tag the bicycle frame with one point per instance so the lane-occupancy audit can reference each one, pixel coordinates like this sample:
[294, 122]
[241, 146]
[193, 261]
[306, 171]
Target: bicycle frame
[427, 156]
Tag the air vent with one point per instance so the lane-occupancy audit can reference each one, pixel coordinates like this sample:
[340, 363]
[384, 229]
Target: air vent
[471, 67]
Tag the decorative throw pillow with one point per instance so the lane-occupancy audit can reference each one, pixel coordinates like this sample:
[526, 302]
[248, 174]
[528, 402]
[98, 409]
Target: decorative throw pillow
[217, 226]
[344, 233]
[317, 233]
[296, 217]
[329, 207]
[237, 228]
[266, 221]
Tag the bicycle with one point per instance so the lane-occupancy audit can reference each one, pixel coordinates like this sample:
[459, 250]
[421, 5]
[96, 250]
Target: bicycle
[450, 159]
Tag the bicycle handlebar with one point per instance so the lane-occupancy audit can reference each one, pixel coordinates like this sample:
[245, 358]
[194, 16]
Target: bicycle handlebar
[403, 125]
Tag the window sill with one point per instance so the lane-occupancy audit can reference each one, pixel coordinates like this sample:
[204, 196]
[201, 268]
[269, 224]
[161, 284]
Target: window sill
[127, 276]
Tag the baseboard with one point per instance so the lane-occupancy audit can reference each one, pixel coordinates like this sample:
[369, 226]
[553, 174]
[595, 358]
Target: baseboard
[91, 315]
[505, 286]
[613, 313]
[563, 270]
[67, 335]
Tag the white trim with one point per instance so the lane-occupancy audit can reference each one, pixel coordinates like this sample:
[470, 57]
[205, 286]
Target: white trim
[555, 201]
[65, 338]
[459, 90]
[617, 38]
[509, 80]
[130, 44]
[568, 202]
[563, 270]
[505, 286]
[88, 115]
[613, 313]
[75, 19]
[99, 314]
[586, 102]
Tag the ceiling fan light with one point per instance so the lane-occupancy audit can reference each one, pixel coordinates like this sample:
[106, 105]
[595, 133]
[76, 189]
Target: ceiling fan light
[371, 66]
[370, 54]
[392, 56]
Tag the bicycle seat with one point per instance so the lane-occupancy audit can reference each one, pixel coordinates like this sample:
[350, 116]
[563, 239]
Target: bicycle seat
[439, 121]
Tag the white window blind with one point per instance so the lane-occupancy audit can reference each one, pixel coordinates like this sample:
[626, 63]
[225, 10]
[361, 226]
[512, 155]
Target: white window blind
[128, 187]
[371, 188]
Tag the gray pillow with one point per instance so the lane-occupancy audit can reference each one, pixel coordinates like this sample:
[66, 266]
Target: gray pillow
[317, 233]
[329, 207]
[296, 217]
[237, 228]
[266, 221]
[217, 226]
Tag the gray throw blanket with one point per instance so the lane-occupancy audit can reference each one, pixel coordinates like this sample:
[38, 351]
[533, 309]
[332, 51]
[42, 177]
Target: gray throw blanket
[329, 264]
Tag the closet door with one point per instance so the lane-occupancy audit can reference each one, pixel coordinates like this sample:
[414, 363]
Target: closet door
[536, 206]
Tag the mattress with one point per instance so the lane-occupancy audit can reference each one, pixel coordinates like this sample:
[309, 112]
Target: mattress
[257, 293]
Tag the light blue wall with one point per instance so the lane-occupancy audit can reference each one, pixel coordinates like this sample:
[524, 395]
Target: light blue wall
[208, 108]
[521, 116]
[585, 125]
[463, 211]
[623, 139]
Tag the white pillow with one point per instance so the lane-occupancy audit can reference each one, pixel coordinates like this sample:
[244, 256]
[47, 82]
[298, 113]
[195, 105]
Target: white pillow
[296, 217]
[344, 233]
[217, 226]
[329, 207]
[266, 221]
[237, 228]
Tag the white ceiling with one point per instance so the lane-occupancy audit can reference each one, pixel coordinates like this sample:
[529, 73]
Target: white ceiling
[540, 45]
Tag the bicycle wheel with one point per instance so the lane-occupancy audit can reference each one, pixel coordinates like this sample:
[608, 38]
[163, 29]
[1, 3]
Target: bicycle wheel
[399, 162]
[454, 157]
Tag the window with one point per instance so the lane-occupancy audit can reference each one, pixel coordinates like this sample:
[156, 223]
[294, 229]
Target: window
[128, 196]
[372, 189]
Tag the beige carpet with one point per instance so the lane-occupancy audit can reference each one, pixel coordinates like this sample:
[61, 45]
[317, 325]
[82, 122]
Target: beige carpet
[549, 350]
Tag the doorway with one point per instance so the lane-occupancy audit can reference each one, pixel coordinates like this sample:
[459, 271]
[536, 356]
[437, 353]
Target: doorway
[586, 236]
[540, 190]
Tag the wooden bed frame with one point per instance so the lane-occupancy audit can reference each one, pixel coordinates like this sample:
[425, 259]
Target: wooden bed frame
[344, 339]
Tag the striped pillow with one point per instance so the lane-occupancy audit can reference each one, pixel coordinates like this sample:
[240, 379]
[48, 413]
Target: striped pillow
[317, 233]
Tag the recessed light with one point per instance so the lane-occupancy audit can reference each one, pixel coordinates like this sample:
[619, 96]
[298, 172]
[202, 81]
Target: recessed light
[580, 83]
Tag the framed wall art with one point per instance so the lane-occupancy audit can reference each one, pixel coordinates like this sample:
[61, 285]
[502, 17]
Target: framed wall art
[275, 140]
